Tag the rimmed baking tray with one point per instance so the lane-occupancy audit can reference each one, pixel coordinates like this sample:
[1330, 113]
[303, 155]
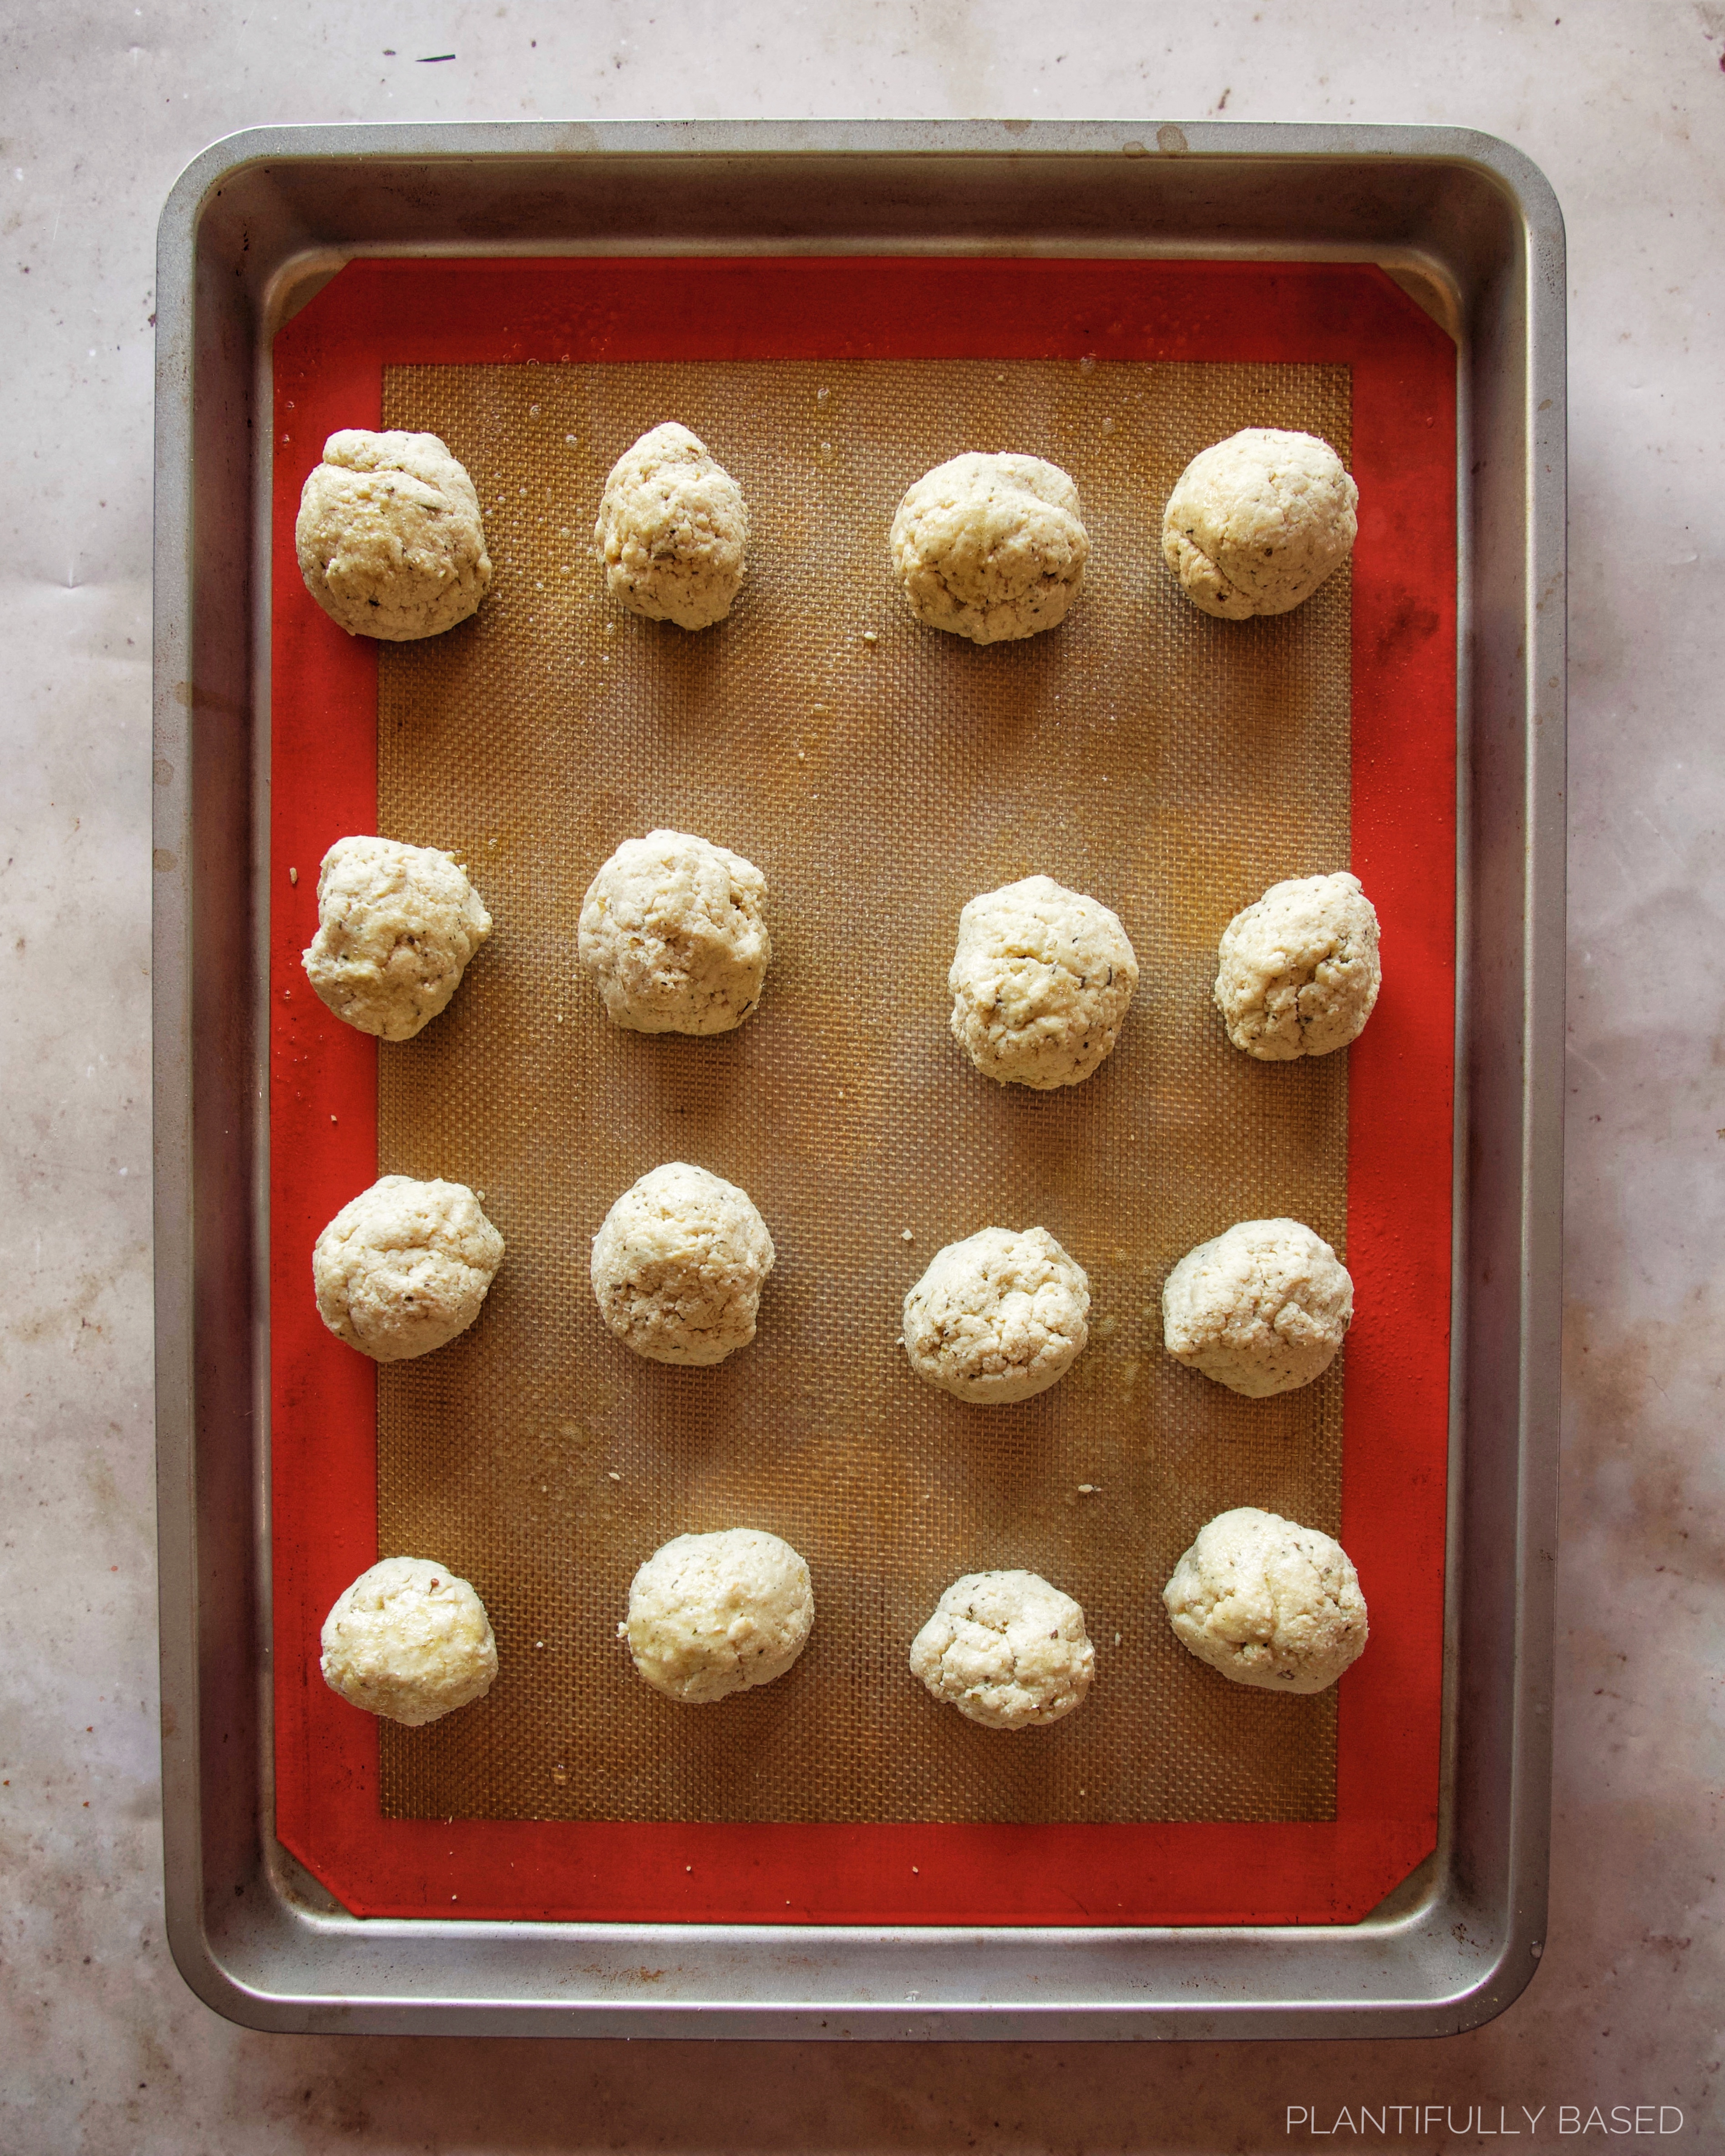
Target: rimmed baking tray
[1464, 225]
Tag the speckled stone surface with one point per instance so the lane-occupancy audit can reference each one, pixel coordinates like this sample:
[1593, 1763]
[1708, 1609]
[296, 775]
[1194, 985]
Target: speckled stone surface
[1622, 102]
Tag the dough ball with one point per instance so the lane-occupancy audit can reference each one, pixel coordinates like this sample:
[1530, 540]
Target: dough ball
[673, 531]
[673, 932]
[1000, 1316]
[1261, 1309]
[1268, 1602]
[712, 1614]
[390, 537]
[1007, 1650]
[679, 1265]
[1040, 983]
[403, 1267]
[396, 924]
[990, 547]
[410, 1641]
[1299, 972]
[1255, 525]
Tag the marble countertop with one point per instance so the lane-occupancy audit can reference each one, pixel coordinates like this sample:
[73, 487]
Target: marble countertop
[1622, 103]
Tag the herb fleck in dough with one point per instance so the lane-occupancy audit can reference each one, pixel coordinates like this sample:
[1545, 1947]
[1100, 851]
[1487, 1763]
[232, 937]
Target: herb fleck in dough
[1007, 1650]
[673, 932]
[712, 1614]
[1298, 972]
[1256, 523]
[389, 536]
[1261, 1309]
[403, 1268]
[1041, 982]
[679, 1265]
[998, 1318]
[409, 1641]
[990, 547]
[673, 531]
[1268, 1602]
[396, 926]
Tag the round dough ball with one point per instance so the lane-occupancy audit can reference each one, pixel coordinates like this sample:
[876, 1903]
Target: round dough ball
[410, 1641]
[389, 536]
[998, 1318]
[679, 1265]
[991, 547]
[403, 1267]
[1041, 982]
[1007, 1650]
[673, 932]
[1298, 972]
[396, 926]
[1261, 1309]
[1268, 1602]
[673, 529]
[712, 1614]
[1255, 525]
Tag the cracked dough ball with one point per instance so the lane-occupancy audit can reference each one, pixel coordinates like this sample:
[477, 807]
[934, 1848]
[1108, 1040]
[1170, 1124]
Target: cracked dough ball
[389, 536]
[674, 933]
[990, 547]
[1268, 1602]
[679, 1265]
[1299, 972]
[998, 1318]
[396, 926]
[403, 1267]
[712, 1614]
[410, 1641]
[1040, 983]
[673, 531]
[1261, 1309]
[1255, 525]
[1007, 1650]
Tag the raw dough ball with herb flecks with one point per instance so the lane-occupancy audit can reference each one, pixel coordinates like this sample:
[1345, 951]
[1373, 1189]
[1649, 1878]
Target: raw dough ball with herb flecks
[674, 931]
[1261, 1309]
[1000, 1317]
[410, 1641]
[673, 531]
[1040, 983]
[1298, 972]
[712, 1614]
[1267, 1602]
[405, 1267]
[396, 926]
[1007, 1650]
[679, 1265]
[990, 547]
[1256, 523]
[389, 536]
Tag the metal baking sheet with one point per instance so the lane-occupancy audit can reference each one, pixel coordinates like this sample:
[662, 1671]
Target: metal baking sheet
[1468, 228]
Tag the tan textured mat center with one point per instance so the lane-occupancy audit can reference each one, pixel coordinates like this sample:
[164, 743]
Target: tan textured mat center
[1170, 765]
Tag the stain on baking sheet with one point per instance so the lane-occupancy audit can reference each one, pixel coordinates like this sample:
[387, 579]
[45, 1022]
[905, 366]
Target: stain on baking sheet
[1169, 764]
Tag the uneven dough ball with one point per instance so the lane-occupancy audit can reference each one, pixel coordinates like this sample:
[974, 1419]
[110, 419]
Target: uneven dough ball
[1041, 982]
[396, 926]
[403, 1267]
[410, 1641]
[1000, 1316]
[673, 529]
[1268, 1602]
[1298, 972]
[679, 1265]
[990, 547]
[1255, 524]
[1261, 1309]
[674, 933]
[1007, 1650]
[712, 1614]
[390, 537]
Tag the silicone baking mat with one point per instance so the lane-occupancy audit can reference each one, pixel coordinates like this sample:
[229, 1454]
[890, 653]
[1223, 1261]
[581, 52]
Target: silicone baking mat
[879, 774]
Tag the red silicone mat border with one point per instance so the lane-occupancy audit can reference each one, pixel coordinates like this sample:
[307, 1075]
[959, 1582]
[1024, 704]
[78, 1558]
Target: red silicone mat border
[328, 365]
